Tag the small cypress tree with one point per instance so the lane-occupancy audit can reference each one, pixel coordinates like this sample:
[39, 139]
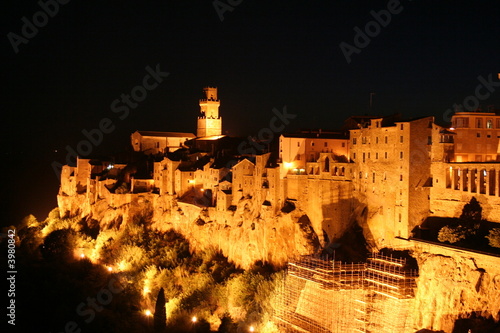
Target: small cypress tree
[160, 316]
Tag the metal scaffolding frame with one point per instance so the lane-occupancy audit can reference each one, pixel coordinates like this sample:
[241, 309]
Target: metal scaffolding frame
[321, 295]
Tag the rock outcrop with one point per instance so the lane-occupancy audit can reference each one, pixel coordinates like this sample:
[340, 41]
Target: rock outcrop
[247, 233]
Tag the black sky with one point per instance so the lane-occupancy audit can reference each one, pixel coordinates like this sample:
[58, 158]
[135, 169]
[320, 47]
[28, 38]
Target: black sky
[264, 54]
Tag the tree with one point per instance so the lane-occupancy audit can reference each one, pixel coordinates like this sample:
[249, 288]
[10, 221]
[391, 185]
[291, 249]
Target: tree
[160, 316]
[494, 237]
[58, 245]
[452, 234]
[472, 211]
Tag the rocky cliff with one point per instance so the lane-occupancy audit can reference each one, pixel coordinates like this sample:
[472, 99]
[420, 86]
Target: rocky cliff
[455, 285]
[452, 285]
[246, 233]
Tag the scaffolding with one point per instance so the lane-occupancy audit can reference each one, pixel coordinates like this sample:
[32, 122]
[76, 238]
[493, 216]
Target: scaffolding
[321, 295]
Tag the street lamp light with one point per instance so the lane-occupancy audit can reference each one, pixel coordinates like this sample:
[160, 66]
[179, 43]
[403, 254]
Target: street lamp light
[251, 329]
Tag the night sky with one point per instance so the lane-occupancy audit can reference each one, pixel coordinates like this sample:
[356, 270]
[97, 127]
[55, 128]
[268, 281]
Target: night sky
[262, 55]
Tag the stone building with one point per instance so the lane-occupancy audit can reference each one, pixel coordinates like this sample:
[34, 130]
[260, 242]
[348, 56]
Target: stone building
[477, 136]
[388, 174]
[153, 143]
[296, 149]
[209, 122]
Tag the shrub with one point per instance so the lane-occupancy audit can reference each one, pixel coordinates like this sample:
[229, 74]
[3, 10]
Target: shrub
[494, 237]
[452, 235]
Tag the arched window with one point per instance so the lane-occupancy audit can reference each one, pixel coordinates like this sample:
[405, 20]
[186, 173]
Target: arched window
[327, 164]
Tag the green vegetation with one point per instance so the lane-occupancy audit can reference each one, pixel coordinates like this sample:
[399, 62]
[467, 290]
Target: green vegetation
[494, 237]
[470, 230]
[454, 234]
[159, 273]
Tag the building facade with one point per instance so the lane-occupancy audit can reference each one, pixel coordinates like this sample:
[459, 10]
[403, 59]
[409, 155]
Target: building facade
[209, 122]
[477, 136]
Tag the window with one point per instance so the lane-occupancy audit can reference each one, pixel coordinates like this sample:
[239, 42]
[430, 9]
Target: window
[385, 155]
[376, 156]
[312, 144]
[401, 139]
[489, 123]
[363, 157]
[368, 155]
[498, 123]
[373, 177]
[353, 141]
[343, 144]
[479, 123]
[400, 178]
[298, 143]
[401, 127]
[376, 139]
[462, 122]
[400, 155]
[385, 139]
[353, 156]
[478, 135]
[326, 144]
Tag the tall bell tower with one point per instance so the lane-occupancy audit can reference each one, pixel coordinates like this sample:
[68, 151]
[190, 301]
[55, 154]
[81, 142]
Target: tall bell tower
[209, 122]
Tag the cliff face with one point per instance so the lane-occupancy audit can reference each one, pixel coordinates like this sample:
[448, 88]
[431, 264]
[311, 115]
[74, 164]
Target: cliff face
[249, 233]
[454, 285]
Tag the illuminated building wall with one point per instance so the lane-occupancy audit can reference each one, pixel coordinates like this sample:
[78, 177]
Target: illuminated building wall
[477, 136]
[209, 123]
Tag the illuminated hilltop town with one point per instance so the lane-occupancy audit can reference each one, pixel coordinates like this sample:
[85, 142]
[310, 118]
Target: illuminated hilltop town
[388, 173]
[395, 181]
